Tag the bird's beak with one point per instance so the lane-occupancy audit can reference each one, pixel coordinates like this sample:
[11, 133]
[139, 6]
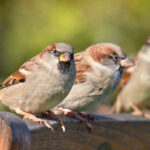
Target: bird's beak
[127, 62]
[65, 57]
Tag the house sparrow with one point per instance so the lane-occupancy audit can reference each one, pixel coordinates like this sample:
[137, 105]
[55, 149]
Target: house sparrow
[40, 83]
[135, 93]
[98, 71]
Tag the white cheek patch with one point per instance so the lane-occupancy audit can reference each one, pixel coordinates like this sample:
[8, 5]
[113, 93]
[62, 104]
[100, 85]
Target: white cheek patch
[106, 69]
[99, 66]
[24, 71]
[103, 68]
[47, 61]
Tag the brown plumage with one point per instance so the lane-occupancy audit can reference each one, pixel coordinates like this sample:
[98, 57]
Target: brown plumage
[15, 78]
[81, 68]
[106, 51]
[125, 79]
[98, 71]
[40, 83]
[127, 75]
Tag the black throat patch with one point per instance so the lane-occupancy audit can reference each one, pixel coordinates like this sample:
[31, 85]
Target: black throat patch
[63, 66]
[121, 70]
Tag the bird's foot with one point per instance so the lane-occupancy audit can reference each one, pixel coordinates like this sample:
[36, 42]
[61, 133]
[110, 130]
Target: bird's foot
[79, 116]
[138, 112]
[34, 118]
[39, 120]
[146, 115]
[87, 116]
[51, 114]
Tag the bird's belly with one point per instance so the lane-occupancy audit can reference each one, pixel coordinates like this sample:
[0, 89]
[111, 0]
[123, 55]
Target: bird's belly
[39, 101]
[35, 99]
[45, 103]
[92, 103]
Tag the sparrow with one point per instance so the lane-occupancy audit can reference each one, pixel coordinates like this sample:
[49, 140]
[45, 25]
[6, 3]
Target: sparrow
[40, 83]
[98, 71]
[134, 92]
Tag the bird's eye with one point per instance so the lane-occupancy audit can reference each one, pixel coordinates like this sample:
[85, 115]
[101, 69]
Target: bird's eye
[55, 52]
[115, 57]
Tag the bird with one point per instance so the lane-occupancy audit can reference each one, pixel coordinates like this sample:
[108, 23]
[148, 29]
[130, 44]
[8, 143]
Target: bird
[99, 69]
[40, 83]
[134, 92]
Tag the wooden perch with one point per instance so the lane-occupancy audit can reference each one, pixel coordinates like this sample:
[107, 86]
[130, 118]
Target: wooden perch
[110, 132]
[14, 133]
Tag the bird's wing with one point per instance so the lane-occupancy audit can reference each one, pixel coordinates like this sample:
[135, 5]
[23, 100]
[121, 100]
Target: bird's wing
[81, 68]
[21, 74]
[14, 78]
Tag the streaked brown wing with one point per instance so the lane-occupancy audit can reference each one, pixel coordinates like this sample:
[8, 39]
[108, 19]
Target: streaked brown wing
[20, 75]
[15, 78]
[81, 68]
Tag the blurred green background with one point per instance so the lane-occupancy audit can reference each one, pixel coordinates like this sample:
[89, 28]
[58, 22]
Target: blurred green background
[28, 26]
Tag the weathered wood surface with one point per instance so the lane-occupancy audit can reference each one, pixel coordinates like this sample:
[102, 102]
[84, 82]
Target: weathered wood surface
[110, 132]
[14, 133]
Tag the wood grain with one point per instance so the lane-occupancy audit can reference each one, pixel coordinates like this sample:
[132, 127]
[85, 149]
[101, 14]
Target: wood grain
[110, 132]
[14, 133]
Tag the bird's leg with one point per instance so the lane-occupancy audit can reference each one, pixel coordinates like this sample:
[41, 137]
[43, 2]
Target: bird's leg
[34, 118]
[73, 114]
[51, 114]
[87, 116]
[146, 115]
[137, 111]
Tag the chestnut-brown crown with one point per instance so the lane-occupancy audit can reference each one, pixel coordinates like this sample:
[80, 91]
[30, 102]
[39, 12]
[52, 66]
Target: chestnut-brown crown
[104, 50]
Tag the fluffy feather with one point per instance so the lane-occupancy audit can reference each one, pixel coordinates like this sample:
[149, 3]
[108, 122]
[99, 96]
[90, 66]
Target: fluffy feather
[136, 89]
[39, 83]
[98, 73]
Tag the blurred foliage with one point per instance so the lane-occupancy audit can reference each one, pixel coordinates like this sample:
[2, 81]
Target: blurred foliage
[28, 26]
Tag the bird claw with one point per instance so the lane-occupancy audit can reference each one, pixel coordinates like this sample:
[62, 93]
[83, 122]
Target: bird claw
[87, 116]
[47, 125]
[139, 112]
[79, 116]
[39, 120]
[54, 116]
[146, 115]
[63, 128]
[88, 126]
